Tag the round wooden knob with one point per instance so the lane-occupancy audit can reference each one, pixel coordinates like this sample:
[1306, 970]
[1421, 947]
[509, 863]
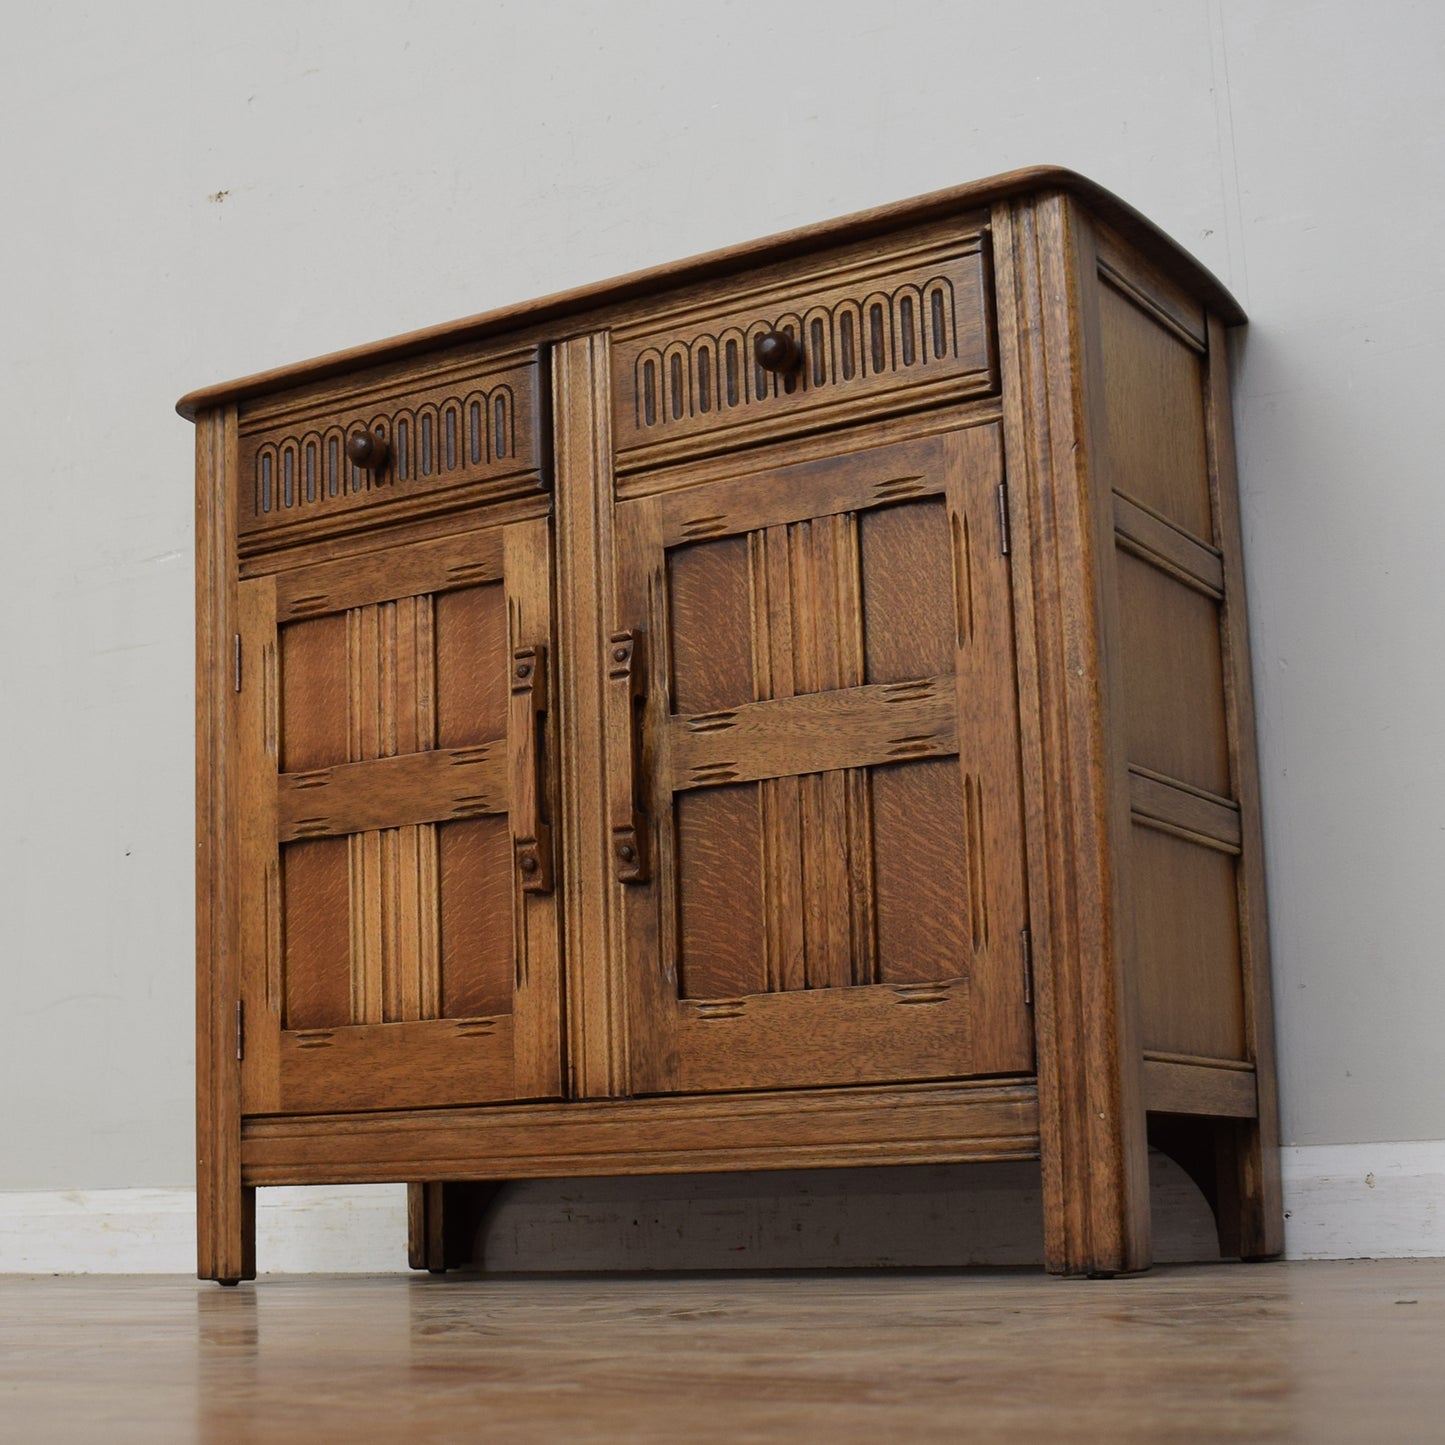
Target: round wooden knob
[367, 450]
[778, 351]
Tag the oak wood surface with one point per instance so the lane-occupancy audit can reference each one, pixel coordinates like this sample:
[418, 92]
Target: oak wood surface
[784, 613]
[1091, 1118]
[873, 713]
[863, 226]
[885, 1124]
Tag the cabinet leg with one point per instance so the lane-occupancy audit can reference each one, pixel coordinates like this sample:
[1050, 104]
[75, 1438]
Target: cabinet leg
[226, 1235]
[443, 1221]
[1227, 1160]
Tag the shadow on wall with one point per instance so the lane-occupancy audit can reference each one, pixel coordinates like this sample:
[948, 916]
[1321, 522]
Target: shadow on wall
[931, 1215]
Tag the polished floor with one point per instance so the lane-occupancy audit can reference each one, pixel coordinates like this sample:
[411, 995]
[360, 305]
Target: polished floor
[1281, 1352]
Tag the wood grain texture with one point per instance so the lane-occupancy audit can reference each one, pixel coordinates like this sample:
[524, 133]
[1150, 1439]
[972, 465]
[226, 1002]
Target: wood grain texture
[414, 787]
[844, 727]
[902, 1124]
[225, 1209]
[1172, 667]
[596, 1021]
[1155, 539]
[810, 738]
[1180, 1088]
[455, 431]
[1094, 1153]
[1325, 1352]
[869, 334]
[1154, 399]
[472, 558]
[861, 229]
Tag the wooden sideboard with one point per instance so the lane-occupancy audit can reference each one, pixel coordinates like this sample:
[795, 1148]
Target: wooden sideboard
[788, 708]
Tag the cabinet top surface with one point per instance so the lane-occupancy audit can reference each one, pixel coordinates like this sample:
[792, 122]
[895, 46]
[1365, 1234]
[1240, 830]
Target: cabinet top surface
[860, 226]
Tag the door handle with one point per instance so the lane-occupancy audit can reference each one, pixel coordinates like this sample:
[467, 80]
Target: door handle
[626, 689]
[531, 834]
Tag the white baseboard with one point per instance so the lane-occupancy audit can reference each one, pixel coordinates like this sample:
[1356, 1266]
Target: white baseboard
[1365, 1201]
[1341, 1201]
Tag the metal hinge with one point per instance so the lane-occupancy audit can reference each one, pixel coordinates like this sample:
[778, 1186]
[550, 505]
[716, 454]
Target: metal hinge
[1026, 945]
[237, 661]
[1003, 537]
[240, 1029]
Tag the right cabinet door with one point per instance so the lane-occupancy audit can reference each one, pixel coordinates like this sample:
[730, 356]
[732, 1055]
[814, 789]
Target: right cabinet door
[814, 772]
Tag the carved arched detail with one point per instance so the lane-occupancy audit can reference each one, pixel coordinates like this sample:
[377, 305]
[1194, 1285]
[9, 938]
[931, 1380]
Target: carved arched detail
[939, 326]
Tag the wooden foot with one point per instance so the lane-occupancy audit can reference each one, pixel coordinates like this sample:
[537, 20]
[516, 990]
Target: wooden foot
[443, 1221]
[1225, 1159]
[226, 1235]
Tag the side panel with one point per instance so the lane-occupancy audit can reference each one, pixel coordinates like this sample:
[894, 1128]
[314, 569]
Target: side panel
[225, 1212]
[1170, 598]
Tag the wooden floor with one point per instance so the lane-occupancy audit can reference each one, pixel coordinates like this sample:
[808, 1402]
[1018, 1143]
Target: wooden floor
[1288, 1352]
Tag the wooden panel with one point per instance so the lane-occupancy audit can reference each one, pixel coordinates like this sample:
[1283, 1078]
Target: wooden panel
[928, 901]
[430, 1063]
[477, 930]
[928, 1123]
[1154, 540]
[710, 625]
[315, 878]
[883, 1033]
[1173, 678]
[1174, 1087]
[458, 430]
[870, 476]
[472, 666]
[420, 567]
[314, 694]
[910, 329]
[1188, 942]
[415, 787]
[815, 732]
[1165, 803]
[911, 595]
[1154, 399]
[723, 952]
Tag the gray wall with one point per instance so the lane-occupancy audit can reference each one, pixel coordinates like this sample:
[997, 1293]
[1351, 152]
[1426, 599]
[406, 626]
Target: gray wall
[194, 191]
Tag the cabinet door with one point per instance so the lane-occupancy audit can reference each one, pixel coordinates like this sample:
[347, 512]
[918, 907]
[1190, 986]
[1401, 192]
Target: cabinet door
[814, 774]
[398, 927]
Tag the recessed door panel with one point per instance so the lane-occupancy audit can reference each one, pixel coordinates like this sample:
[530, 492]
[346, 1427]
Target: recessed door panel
[825, 755]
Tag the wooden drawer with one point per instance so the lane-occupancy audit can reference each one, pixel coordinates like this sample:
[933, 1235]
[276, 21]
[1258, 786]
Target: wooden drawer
[459, 429]
[875, 334]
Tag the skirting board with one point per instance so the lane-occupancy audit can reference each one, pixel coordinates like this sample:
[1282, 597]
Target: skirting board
[1341, 1201]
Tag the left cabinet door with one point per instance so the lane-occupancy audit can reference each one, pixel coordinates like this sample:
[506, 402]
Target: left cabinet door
[393, 748]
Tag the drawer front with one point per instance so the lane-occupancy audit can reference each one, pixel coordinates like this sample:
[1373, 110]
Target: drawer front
[874, 335]
[457, 430]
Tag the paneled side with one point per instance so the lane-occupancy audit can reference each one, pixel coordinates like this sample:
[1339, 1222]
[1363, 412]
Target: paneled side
[1173, 677]
[1188, 941]
[1183, 845]
[1154, 398]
